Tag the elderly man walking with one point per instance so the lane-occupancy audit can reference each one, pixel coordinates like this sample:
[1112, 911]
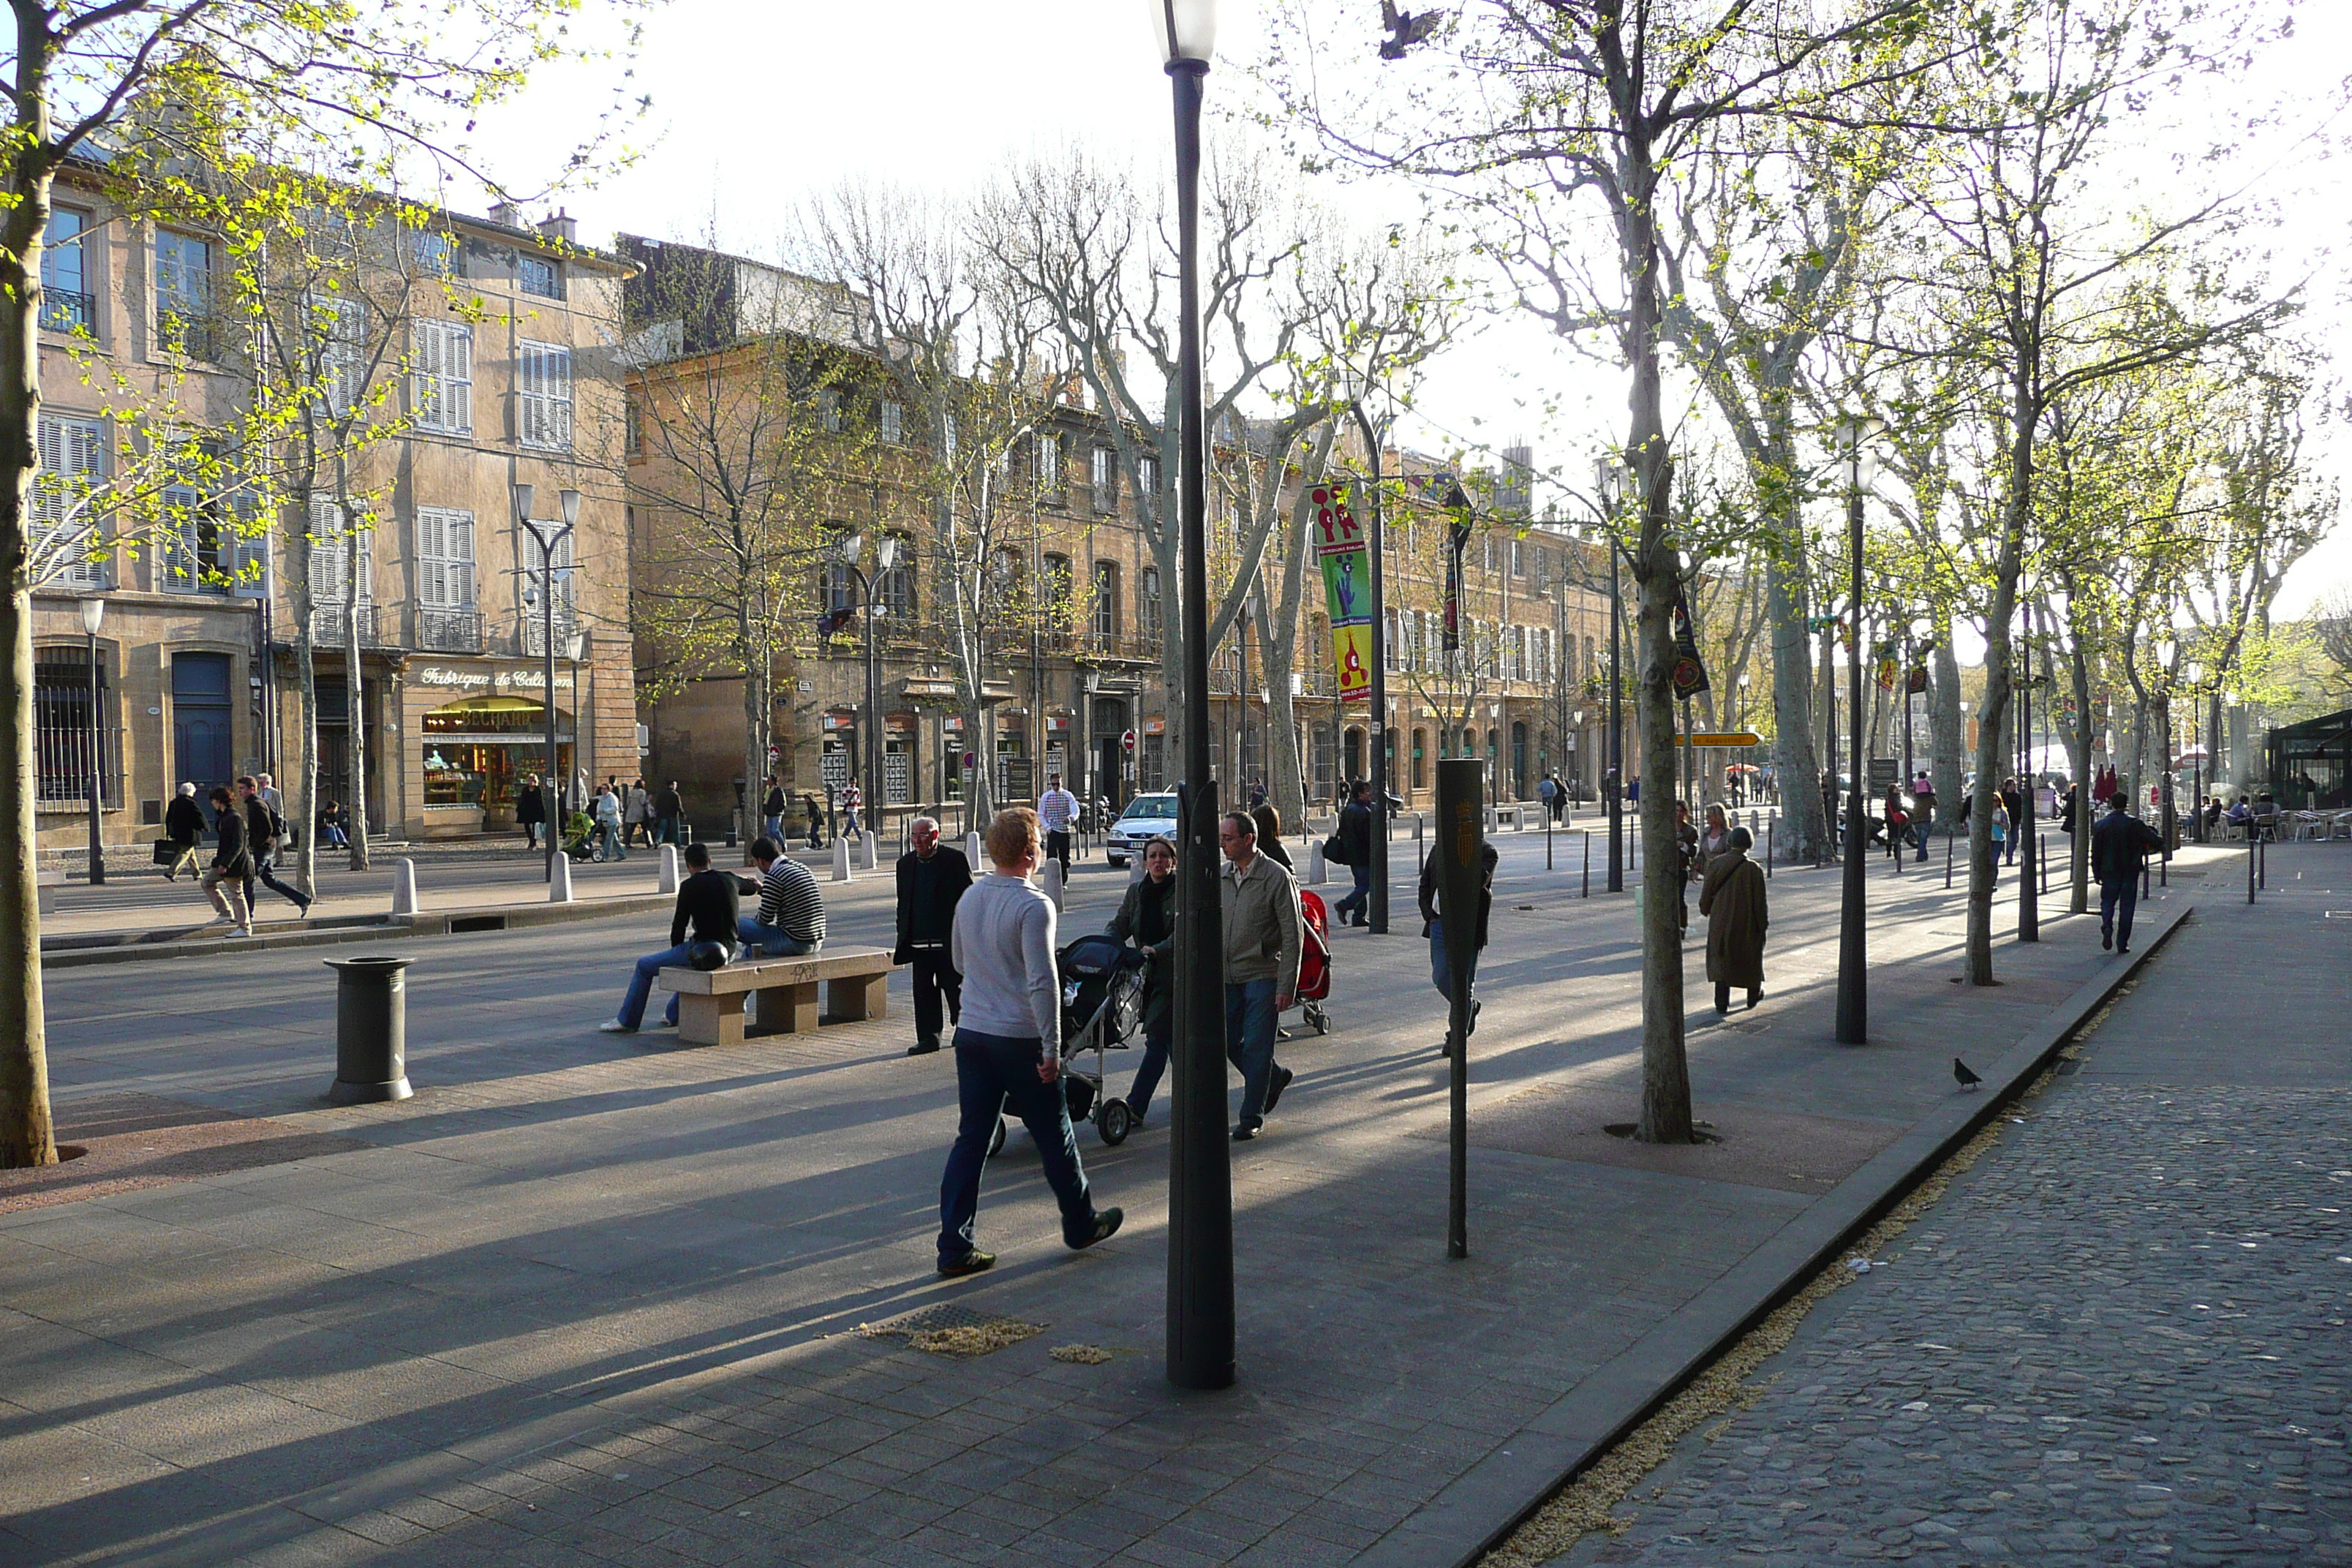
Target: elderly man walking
[1260, 904]
[932, 879]
[2119, 851]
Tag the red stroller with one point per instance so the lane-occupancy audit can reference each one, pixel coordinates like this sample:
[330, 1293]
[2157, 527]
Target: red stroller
[1314, 959]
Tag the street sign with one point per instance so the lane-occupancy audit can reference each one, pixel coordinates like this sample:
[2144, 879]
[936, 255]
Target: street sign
[970, 760]
[1728, 738]
[1882, 772]
[1128, 740]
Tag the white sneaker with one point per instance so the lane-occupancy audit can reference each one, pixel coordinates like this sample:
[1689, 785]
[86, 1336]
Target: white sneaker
[236, 931]
[614, 1027]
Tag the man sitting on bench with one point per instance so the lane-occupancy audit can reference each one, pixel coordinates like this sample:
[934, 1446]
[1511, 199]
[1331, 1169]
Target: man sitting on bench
[708, 910]
[791, 919]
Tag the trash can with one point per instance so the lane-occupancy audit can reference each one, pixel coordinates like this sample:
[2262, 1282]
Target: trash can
[370, 1030]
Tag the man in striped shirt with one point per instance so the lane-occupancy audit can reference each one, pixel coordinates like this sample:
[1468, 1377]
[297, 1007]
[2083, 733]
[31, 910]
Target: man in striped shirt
[791, 919]
[1057, 810]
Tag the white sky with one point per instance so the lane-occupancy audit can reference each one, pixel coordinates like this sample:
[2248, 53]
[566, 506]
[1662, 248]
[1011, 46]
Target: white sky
[759, 104]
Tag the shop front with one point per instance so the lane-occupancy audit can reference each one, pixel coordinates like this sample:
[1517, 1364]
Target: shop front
[482, 734]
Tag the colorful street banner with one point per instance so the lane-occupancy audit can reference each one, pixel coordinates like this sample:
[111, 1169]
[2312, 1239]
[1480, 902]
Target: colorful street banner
[1886, 668]
[1690, 670]
[1346, 589]
[1918, 682]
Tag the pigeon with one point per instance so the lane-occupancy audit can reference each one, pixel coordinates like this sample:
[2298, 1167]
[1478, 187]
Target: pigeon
[1405, 29]
[1961, 1072]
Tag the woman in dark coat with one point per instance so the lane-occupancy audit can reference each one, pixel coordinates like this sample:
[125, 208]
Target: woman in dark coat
[530, 811]
[1269, 835]
[1733, 902]
[1147, 917]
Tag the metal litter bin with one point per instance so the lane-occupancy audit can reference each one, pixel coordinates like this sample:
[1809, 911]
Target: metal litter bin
[370, 1030]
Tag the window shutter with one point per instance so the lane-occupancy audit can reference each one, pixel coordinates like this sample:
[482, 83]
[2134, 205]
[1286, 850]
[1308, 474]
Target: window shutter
[432, 587]
[457, 371]
[426, 383]
[461, 560]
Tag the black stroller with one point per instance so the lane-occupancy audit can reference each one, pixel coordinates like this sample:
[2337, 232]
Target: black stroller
[1102, 1010]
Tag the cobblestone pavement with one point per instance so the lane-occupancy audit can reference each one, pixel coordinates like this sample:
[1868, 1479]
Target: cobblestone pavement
[2120, 1338]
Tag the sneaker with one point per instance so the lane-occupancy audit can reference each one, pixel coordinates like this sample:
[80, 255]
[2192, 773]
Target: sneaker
[616, 1027]
[974, 1261]
[1248, 1130]
[2122, 948]
[302, 909]
[234, 931]
[1107, 1223]
[1282, 1076]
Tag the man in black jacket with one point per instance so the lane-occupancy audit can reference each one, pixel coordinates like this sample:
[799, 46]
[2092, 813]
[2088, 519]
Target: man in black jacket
[264, 831]
[667, 808]
[1356, 838]
[2119, 846]
[184, 828]
[224, 882]
[709, 907]
[1432, 926]
[530, 811]
[932, 878]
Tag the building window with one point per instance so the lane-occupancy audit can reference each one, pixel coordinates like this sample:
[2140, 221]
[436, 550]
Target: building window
[564, 601]
[445, 618]
[633, 429]
[1149, 610]
[828, 410]
[893, 422]
[836, 589]
[340, 326]
[1106, 600]
[1055, 592]
[895, 590]
[334, 590]
[1151, 766]
[65, 520]
[62, 722]
[538, 275]
[66, 302]
[1049, 461]
[441, 378]
[183, 294]
[437, 255]
[196, 549]
[543, 385]
[1147, 489]
[1106, 477]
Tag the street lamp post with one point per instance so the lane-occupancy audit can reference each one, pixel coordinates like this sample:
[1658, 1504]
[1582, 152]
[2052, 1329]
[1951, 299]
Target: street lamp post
[1199, 1173]
[1609, 483]
[1374, 440]
[2029, 898]
[548, 535]
[1854, 980]
[93, 615]
[2197, 747]
[885, 558]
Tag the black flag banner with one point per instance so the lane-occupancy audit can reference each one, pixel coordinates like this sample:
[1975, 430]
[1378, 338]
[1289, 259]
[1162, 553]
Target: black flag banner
[1457, 539]
[1690, 670]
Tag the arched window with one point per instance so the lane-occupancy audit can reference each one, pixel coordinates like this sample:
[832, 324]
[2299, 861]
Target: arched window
[836, 590]
[895, 590]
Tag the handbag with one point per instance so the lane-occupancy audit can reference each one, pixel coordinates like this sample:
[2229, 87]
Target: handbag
[1336, 851]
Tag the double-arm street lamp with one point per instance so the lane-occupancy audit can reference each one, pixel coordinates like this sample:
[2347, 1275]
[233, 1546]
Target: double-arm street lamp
[885, 559]
[549, 535]
[93, 615]
[1853, 982]
[1199, 1173]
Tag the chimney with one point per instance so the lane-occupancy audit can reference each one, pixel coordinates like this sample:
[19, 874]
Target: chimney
[563, 228]
[505, 215]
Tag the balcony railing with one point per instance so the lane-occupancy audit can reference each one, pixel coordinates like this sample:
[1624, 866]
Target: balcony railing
[449, 631]
[330, 626]
[62, 310]
[534, 635]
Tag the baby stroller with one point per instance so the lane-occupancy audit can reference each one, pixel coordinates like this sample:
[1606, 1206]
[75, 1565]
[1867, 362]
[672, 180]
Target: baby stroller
[1314, 959]
[1102, 1010]
[580, 841]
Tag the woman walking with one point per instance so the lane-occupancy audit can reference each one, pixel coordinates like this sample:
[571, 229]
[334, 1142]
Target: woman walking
[636, 816]
[1269, 835]
[1733, 902]
[530, 811]
[1147, 917]
[1008, 1046]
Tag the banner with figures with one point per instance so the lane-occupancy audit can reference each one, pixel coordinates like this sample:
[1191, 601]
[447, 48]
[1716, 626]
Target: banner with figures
[1346, 589]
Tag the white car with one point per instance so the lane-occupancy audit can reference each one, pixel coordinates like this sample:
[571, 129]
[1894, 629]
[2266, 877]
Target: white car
[1147, 816]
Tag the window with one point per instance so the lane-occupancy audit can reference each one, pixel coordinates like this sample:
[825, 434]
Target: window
[1390, 653]
[828, 410]
[1518, 560]
[333, 587]
[445, 580]
[633, 429]
[1150, 611]
[183, 294]
[1049, 461]
[441, 378]
[948, 432]
[1106, 477]
[893, 422]
[437, 255]
[836, 589]
[62, 723]
[66, 304]
[538, 275]
[543, 388]
[1106, 600]
[1147, 491]
[342, 328]
[1054, 591]
[73, 462]
[895, 590]
[195, 550]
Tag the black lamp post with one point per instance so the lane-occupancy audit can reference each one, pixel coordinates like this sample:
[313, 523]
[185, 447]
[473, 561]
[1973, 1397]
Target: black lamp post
[886, 557]
[2198, 749]
[93, 615]
[1854, 980]
[1609, 484]
[549, 534]
[1199, 1173]
[1374, 439]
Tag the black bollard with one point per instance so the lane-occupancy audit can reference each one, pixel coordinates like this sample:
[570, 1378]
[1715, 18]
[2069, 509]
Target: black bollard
[370, 1030]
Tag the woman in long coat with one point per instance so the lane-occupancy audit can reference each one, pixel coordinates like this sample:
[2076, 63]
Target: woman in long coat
[1733, 902]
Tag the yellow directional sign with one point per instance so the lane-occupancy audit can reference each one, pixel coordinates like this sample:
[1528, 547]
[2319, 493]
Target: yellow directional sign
[1730, 738]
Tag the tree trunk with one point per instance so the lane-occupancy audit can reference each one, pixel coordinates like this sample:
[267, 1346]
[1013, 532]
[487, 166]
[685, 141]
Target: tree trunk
[1794, 759]
[1948, 736]
[354, 710]
[1992, 727]
[2078, 853]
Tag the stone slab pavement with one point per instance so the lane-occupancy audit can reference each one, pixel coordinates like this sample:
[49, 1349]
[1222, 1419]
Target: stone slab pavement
[2121, 1336]
[588, 1298]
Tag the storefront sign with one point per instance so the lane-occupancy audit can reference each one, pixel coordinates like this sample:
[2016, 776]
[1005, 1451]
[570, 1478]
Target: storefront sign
[489, 680]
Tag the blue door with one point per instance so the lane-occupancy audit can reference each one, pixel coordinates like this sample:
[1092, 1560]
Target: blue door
[200, 719]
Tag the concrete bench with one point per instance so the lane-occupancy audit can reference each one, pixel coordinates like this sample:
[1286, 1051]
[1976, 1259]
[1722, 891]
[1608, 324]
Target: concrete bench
[783, 992]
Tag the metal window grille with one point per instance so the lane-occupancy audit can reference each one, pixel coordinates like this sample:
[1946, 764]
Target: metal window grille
[61, 728]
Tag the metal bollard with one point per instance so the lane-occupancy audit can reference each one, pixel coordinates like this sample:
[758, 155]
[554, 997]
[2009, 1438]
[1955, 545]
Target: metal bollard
[870, 847]
[1771, 840]
[978, 857]
[370, 1030]
[1947, 860]
[1317, 870]
[2249, 871]
[2263, 861]
[1420, 854]
[1588, 863]
[1548, 841]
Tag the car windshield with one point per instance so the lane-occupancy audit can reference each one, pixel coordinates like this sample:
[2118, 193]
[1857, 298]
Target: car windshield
[1150, 805]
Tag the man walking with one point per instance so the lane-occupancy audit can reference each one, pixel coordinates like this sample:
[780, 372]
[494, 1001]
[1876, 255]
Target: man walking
[1009, 1049]
[224, 881]
[2013, 800]
[2119, 846]
[790, 920]
[265, 830]
[184, 829]
[1058, 808]
[932, 879]
[772, 811]
[1356, 840]
[1923, 810]
[667, 809]
[1260, 905]
[710, 909]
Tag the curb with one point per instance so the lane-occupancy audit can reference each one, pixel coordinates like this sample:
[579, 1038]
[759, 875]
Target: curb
[1497, 1495]
[339, 929]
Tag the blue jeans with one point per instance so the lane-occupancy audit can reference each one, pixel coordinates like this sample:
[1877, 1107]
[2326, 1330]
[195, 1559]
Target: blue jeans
[1360, 898]
[1923, 831]
[773, 942]
[641, 984]
[665, 831]
[2119, 898]
[1155, 1063]
[773, 827]
[610, 832]
[1440, 972]
[1250, 1022]
[993, 1071]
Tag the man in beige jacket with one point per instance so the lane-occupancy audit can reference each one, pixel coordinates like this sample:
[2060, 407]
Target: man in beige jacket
[1260, 904]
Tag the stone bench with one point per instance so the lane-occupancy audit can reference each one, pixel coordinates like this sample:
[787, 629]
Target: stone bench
[783, 992]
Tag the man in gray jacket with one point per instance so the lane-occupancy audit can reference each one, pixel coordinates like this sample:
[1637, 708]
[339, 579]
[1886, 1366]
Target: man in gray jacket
[1260, 904]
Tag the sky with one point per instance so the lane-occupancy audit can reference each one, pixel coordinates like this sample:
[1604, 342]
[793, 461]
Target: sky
[760, 105]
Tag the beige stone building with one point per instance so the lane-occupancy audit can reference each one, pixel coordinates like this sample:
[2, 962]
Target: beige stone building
[507, 374]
